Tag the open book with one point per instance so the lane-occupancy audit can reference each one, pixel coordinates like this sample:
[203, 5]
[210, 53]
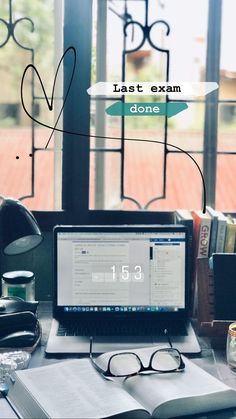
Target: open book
[74, 389]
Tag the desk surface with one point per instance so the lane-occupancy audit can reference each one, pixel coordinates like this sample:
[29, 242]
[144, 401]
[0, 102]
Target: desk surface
[211, 360]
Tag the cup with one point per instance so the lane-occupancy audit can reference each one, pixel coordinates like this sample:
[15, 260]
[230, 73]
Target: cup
[19, 284]
[231, 347]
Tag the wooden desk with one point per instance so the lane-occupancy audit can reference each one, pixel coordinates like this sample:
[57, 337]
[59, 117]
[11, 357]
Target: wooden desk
[211, 360]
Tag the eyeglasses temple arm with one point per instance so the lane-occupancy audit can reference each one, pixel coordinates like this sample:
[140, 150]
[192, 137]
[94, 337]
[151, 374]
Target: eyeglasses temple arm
[166, 333]
[182, 364]
[95, 365]
[90, 345]
[99, 369]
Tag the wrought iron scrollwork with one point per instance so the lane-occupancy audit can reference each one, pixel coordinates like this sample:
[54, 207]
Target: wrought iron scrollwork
[10, 26]
[146, 36]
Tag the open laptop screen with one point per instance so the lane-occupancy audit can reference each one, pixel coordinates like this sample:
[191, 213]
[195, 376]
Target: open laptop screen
[131, 269]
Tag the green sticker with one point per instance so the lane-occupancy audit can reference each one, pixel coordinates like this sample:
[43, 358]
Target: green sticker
[17, 292]
[146, 109]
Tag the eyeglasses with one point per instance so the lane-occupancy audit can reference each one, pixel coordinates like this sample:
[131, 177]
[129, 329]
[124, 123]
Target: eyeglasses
[127, 364]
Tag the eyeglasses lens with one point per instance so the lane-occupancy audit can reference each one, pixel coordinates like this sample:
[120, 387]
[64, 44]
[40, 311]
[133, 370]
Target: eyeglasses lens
[166, 360]
[124, 364]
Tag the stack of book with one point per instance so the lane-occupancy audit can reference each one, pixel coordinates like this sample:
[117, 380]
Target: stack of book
[209, 232]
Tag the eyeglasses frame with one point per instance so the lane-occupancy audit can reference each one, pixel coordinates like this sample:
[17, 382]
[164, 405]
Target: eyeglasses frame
[108, 372]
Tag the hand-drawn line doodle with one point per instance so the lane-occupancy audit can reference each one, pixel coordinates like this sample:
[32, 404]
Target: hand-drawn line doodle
[80, 134]
[49, 102]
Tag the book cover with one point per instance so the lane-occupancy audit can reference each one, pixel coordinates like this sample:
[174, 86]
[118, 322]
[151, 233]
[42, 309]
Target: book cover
[221, 231]
[214, 228]
[202, 231]
[230, 235]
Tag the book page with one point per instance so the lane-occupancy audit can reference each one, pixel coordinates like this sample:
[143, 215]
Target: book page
[74, 389]
[191, 391]
[175, 394]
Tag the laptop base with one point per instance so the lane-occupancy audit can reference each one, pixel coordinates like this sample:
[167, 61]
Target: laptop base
[80, 344]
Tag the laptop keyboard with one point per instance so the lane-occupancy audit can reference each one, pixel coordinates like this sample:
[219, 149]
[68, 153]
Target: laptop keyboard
[120, 329]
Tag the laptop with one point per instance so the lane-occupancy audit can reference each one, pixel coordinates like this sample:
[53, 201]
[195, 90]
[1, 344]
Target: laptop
[124, 285]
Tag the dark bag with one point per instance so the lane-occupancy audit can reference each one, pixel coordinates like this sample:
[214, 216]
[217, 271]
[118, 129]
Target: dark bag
[19, 326]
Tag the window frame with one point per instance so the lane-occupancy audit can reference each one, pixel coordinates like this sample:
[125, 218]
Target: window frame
[76, 150]
[212, 100]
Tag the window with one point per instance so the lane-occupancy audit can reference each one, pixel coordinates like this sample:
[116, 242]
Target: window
[225, 146]
[27, 170]
[141, 174]
[82, 174]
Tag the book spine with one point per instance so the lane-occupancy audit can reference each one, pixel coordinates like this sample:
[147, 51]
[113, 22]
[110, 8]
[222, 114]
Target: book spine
[220, 240]
[230, 238]
[204, 239]
[214, 227]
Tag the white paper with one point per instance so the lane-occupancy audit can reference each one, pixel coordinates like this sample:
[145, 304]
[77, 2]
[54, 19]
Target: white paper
[73, 389]
[156, 389]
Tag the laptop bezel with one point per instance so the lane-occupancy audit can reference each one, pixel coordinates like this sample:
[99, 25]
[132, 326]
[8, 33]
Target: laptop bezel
[58, 311]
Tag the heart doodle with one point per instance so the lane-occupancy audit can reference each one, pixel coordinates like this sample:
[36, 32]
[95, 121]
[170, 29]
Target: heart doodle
[49, 102]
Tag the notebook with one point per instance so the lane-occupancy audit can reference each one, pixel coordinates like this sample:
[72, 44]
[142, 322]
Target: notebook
[123, 285]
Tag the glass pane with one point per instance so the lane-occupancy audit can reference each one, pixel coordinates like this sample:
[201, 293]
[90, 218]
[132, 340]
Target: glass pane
[16, 165]
[143, 163]
[104, 126]
[44, 171]
[225, 188]
[114, 44]
[186, 128]
[183, 186]
[187, 38]
[225, 183]
[104, 190]
[15, 149]
[228, 58]
[226, 127]
[226, 168]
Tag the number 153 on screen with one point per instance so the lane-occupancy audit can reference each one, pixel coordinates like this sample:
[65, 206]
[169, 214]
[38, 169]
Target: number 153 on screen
[124, 273]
